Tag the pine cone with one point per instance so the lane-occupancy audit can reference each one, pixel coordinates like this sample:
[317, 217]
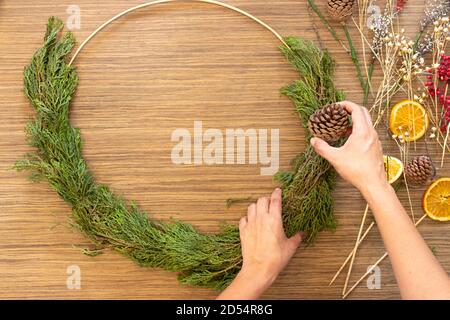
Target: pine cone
[340, 9]
[330, 123]
[419, 170]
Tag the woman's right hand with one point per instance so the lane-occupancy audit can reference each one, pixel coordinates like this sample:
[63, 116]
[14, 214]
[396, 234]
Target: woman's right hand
[360, 159]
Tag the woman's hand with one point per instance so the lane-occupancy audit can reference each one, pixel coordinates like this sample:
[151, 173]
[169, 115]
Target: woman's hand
[360, 162]
[360, 159]
[265, 248]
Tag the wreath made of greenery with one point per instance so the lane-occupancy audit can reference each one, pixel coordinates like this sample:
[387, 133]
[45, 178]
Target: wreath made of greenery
[110, 221]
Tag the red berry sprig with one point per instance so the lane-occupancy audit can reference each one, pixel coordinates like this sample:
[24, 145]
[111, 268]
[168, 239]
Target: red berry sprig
[443, 75]
[400, 5]
[444, 68]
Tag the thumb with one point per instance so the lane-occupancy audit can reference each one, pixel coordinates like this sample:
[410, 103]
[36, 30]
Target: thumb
[295, 240]
[323, 149]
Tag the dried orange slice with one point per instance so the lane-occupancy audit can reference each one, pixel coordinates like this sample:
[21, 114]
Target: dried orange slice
[393, 167]
[436, 200]
[408, 120]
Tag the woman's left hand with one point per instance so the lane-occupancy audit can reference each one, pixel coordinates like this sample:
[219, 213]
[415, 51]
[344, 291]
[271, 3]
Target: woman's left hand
[265, 248]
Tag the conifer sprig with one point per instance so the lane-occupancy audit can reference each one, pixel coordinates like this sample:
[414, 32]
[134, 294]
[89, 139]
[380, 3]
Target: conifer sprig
[210, 260]
[307, 200]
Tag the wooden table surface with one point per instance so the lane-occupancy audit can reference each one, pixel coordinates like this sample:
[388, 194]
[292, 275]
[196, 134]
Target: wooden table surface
[147, 74]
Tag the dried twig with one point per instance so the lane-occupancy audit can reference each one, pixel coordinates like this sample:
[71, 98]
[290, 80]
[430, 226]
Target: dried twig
[351, 253]
[376, 264]
[358, 239]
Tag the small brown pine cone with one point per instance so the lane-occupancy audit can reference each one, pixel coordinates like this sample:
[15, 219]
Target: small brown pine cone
[419, 170]
[340, 10]
[330, 123]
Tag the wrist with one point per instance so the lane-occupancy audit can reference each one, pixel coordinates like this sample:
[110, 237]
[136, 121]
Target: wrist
[376, 191]
[249, 284]
[258, 275]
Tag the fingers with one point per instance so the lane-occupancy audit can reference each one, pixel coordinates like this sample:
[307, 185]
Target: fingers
[323, 149]
[251, 213]
[351, 107]
[368, 117]
[359, 118]
[275, 202]
[262, 205]
[242, 227]
[242, 223]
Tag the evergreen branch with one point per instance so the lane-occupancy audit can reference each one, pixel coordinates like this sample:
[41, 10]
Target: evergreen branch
[354, 56]
[351, 50]
[369, 79]
[307, 201]
[326, 24]
[232, 201]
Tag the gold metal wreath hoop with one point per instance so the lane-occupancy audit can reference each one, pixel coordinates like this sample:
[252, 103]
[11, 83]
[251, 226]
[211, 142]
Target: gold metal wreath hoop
[152, 3]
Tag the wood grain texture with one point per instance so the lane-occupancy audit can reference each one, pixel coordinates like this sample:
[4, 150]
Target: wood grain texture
[147, 74]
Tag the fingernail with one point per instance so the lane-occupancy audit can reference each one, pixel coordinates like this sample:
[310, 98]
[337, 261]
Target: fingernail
[312, 141]
[277, 189]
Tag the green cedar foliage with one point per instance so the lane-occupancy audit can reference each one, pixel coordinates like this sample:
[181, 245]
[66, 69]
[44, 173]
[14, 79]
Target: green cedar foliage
[307, 200]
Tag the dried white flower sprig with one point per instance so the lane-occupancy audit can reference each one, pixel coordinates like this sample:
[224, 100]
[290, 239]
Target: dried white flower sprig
[400, 64]
[434, 9]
